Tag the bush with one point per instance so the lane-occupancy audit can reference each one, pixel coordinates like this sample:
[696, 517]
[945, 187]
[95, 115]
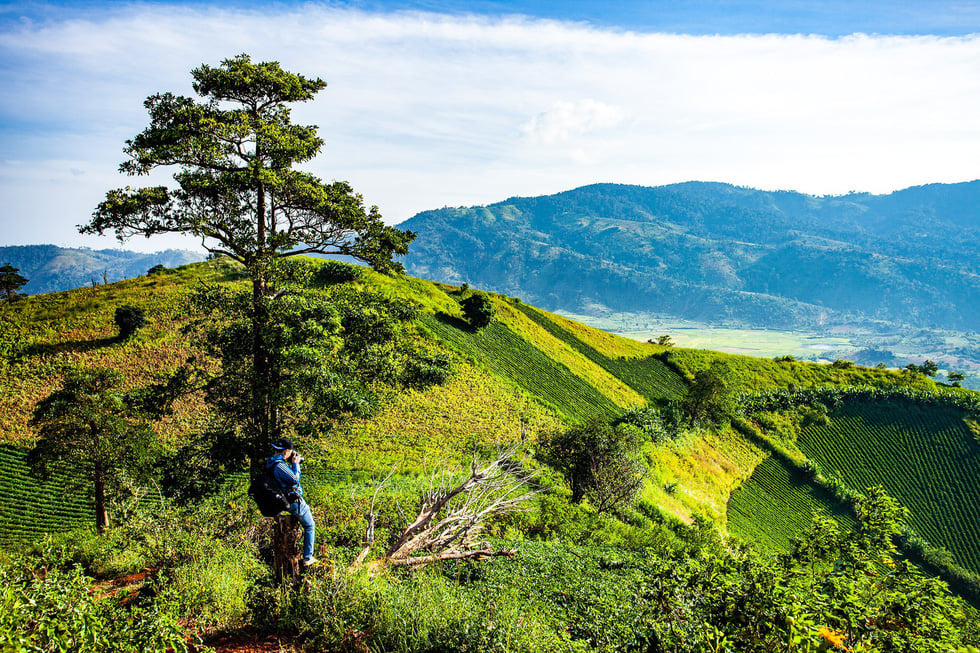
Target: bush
[156, 269]
[54, 610]
[478, 310]
[600, 462]
[129, 319]
[426, 369]
[332, 272]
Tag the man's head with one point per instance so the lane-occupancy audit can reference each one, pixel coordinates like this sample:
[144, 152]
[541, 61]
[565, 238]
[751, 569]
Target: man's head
[283, 446]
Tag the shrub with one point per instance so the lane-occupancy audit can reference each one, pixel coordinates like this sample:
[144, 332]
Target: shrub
[599, 461]
[156, 269]
[129, 319]
[332, 272]
[478, 310]
[426, 369]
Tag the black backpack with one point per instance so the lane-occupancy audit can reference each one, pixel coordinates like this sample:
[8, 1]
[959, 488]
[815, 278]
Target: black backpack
[267, 493]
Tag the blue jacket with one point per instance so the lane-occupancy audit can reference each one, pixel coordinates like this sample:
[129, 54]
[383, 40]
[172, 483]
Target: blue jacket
[286, 473]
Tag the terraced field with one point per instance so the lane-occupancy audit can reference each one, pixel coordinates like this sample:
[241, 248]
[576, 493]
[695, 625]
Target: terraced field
[648, 375]
[927, 457]
[30, 508]
[508, 355]
[775, 505]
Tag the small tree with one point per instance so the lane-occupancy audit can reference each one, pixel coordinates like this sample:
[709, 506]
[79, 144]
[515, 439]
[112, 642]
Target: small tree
[129, 319]
[11, 282]
[90, 423]
[956, 378]
[599, 461]
[478, 310]
[665, 341]
[708, 396]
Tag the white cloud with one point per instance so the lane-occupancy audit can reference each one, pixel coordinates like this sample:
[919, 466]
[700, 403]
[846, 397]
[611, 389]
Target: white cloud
[424, 110]
[566, 119]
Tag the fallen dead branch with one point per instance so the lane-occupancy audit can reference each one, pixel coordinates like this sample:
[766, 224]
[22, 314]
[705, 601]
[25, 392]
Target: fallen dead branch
[453, 512]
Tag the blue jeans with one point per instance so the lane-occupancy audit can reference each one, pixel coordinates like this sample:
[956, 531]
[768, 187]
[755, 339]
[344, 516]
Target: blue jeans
[301, 510]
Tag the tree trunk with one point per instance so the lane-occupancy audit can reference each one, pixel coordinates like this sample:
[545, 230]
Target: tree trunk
[101, 515]
[285, 548]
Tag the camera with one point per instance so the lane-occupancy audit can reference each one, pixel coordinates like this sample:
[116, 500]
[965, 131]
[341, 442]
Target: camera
[296, 457]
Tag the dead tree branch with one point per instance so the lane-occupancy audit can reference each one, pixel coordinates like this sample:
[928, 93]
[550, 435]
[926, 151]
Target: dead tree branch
[453, 511]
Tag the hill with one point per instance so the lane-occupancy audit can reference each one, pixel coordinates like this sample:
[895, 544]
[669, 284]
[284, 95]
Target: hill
[719, 253]
[578, 579]
[49, 268]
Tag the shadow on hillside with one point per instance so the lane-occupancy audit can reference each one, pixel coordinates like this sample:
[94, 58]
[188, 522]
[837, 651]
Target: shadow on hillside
[454, 322]
[75, 347]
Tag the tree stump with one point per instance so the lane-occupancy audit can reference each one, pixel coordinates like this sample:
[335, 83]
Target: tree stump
[286, 553]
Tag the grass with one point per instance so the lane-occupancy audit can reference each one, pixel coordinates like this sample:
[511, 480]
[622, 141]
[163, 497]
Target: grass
[701, 470]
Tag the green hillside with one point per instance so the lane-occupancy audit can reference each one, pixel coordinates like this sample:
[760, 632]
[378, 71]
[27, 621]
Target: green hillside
[528, 373]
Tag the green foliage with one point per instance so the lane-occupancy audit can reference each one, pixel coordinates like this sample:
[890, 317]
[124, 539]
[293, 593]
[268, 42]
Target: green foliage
[648, 376]
[129, 319]
[508, 355]
[159, 268]
[708, 397]
[93, 425]
[55, 610]
[331, 272]
[478, 310]
[919, 452]
[776, 503]
[31, 509]
[658, 424]
[599, 461]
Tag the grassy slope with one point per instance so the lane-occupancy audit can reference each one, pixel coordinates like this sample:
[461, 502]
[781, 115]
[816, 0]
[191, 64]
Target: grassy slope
[530, 370]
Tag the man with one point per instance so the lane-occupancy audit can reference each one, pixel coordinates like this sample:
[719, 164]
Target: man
[285, 466]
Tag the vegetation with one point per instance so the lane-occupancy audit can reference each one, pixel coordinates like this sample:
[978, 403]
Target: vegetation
[599, 461]
[478, 310]
[129, 320]
[926, 456]
[11, 282]
[238, 192]
[717, 253]
[97, 429]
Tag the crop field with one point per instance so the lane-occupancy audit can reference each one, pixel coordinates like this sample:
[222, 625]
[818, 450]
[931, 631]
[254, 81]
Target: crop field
[648, 376]
[775, 505]
[927, 457]
[508, 355]
[30, 508]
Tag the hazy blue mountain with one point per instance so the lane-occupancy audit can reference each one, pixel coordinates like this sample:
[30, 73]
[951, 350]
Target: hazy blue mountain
[50, 268]
[716, 252]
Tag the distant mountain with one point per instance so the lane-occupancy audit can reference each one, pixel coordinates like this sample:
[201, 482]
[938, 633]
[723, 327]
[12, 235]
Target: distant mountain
[50, 268]
[720, 253]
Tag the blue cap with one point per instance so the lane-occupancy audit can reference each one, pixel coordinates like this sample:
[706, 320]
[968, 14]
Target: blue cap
[282, 443]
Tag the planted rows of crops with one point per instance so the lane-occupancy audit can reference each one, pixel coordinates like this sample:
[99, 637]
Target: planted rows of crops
[776, 504]
[30, 508]
[925, 456]
[508, 355]
[648, 376]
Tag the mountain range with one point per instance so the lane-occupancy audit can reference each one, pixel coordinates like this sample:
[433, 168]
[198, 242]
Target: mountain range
[719, 253]
[50, 268]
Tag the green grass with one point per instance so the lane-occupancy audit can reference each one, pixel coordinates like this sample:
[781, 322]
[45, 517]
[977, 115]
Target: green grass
[927, 457]
[504, 353]
[776, 504]
[648, 376]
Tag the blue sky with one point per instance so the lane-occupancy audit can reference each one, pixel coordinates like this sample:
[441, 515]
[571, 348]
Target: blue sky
[456, 103]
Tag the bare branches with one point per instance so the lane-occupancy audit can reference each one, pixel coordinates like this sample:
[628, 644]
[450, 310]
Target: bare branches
[453, 510]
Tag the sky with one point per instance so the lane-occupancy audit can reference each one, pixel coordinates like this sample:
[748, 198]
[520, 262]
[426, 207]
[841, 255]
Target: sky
[433, 104]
